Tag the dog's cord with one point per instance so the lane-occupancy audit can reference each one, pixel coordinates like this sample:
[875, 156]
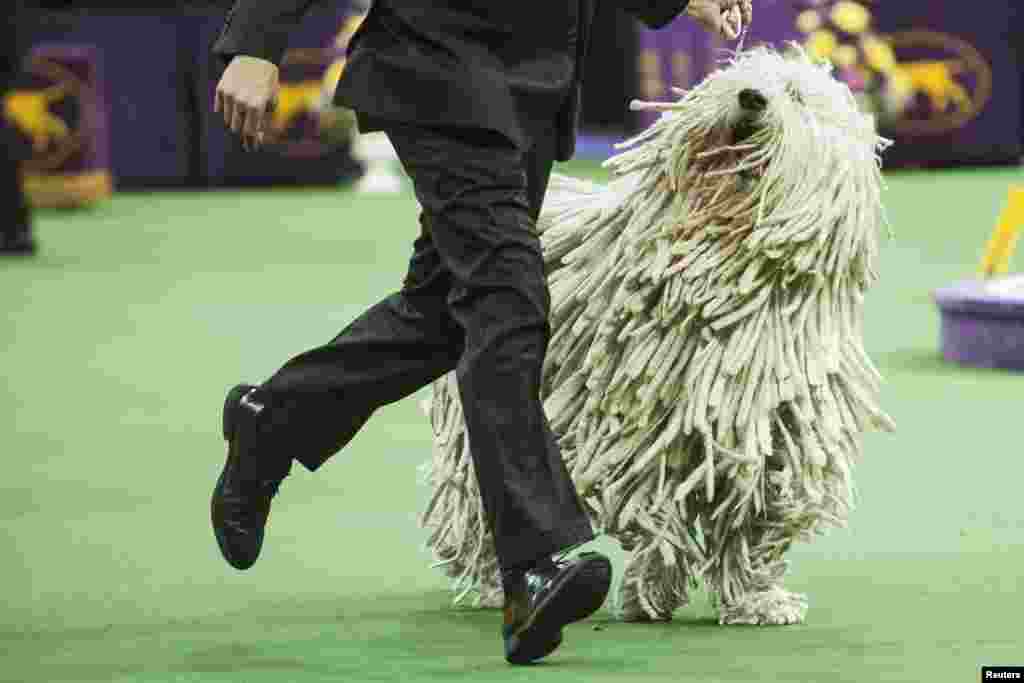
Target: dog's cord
[744, 30]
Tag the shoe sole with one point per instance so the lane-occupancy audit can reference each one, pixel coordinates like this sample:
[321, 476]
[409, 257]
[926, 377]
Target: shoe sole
[228, 430]
[579, 593]
[534, 646]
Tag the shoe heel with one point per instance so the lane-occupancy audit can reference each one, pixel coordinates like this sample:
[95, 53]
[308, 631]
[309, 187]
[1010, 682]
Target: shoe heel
[230, 408]
[597, 576]
[582, 594]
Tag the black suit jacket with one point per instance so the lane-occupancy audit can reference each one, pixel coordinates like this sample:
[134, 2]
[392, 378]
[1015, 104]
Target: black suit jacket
[440, 62]
[12, 42]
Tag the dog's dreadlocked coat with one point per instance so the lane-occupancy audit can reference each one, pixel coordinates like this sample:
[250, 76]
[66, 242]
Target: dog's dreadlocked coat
[706, 376]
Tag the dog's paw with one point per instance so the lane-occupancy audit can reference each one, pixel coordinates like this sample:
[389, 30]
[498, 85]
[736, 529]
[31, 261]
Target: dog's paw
[773, 607]
[631, 608]
[636, 614]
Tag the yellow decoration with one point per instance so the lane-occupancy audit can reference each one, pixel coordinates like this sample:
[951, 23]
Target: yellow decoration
[822, 43]
[292, 100]
[67, 190]
[901, 84]
[348, 29]
[649, 61]
[937, 80]
[333, 75]
[681, 68]
[878, 54]
[851, 17]
[29, 110]
[1003, 242]
[845, 56]
[651, 83]
[808, 21]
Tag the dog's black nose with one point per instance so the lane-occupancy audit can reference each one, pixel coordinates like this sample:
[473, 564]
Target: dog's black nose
[752, 100]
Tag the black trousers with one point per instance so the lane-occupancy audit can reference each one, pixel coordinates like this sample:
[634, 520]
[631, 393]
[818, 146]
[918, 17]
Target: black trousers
[15, 216]
[14, 210]
[475, 300]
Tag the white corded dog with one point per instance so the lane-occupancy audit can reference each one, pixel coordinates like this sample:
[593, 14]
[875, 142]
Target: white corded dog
[706, 376]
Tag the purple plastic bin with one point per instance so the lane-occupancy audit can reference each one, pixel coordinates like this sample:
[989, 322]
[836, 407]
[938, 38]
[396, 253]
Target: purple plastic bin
[983, 322]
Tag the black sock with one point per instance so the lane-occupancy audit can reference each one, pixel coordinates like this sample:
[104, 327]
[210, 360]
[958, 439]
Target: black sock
[545, 564]
[513, 583]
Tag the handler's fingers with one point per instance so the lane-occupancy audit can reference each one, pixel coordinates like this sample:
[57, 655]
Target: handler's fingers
[736, 20]
[730, 23]
[254, 117]
[747, 6]
[238, 118]
[227, 108]
[253, 134]
[711, 20]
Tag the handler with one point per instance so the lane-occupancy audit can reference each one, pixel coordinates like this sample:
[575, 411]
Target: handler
[478, 100]
[15, 213]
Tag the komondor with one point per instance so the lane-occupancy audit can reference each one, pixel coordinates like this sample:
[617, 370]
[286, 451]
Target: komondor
[706, 376]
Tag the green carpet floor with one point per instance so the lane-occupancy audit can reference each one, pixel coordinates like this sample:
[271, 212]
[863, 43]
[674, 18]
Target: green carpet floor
[119, 341]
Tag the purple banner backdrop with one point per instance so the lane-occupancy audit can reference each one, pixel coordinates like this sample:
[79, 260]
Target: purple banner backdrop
[944, 79]
[671, 57]
[297, 152]
[145, 88]
[774, 24]
[158, 81]
[962, 63]
[682, 54]
[58, 109]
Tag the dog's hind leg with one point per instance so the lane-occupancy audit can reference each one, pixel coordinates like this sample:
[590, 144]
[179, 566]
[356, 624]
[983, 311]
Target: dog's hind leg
[657, 579]
[747, 575]
[765, 602]
[651, 589]
[802, 501]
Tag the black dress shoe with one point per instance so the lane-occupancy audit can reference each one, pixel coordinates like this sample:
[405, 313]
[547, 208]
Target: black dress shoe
[552, 597]
[19, 245]
[242, 496]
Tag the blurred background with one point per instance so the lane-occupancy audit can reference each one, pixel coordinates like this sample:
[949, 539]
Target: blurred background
[164, 264]
[122, 91]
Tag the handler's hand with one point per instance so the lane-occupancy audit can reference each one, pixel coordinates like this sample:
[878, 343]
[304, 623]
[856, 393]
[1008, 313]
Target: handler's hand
[723, 17]
[246, 96]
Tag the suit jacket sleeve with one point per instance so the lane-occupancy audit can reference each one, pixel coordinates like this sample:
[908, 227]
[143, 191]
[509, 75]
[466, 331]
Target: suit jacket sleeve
[655, 14]
[259, 28]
